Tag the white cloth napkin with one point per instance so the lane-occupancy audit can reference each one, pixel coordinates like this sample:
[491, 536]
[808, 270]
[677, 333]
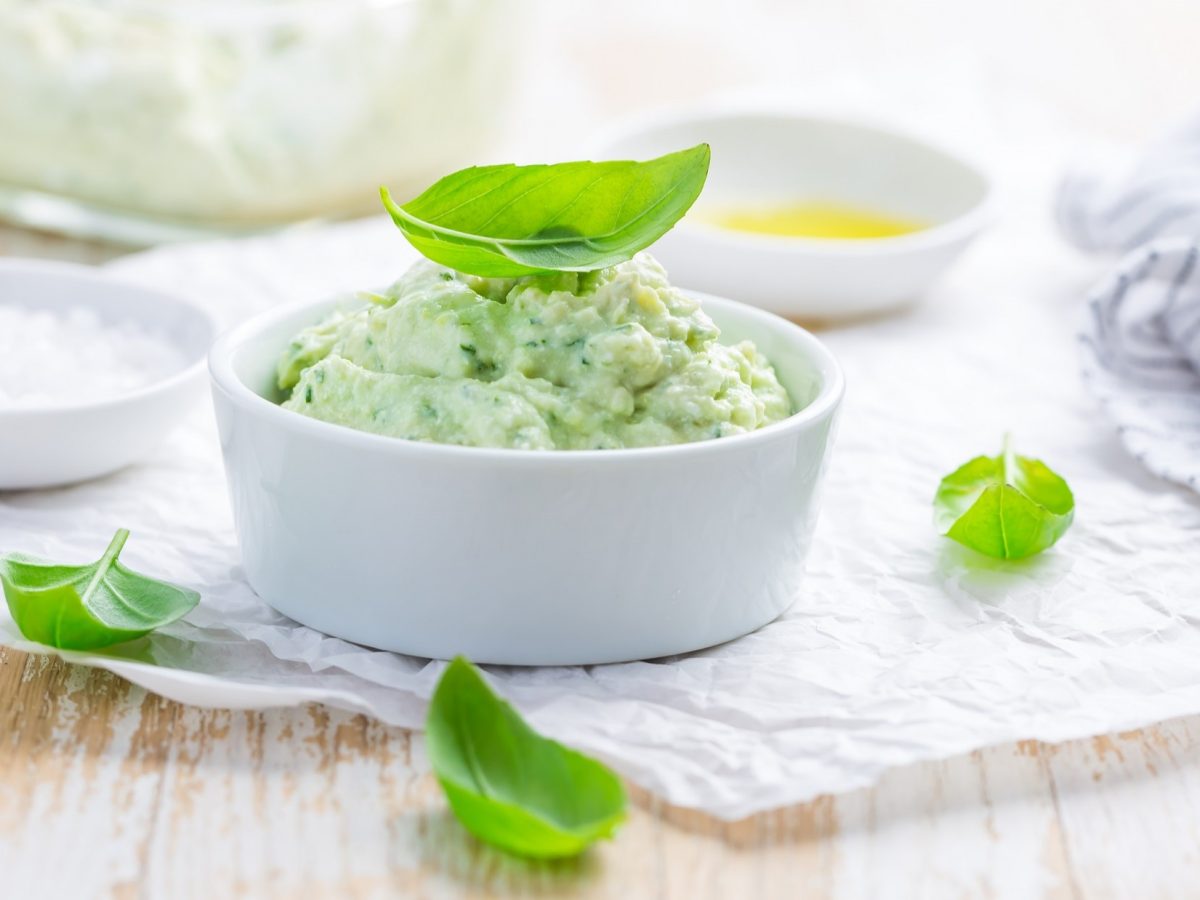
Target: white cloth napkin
[1140, 340]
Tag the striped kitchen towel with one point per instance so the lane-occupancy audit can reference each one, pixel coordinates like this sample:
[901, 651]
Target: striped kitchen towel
[1122, 211]
[1140, 339]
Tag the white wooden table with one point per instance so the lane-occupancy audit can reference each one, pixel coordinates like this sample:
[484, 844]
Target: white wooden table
[108, 791]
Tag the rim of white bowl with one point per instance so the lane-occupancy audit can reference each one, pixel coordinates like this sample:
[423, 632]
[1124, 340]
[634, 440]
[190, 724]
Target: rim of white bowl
[965, 224]
[82, 272]
[225, 379]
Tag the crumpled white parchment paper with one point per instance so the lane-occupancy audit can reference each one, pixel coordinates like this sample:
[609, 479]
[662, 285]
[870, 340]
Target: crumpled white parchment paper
[901, 647]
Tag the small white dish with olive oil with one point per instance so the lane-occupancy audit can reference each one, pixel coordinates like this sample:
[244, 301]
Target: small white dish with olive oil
[814, 217]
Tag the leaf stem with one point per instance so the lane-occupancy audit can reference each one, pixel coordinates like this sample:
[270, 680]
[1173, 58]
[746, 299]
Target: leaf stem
[105, 563]
[115, 546]
[1008, 459]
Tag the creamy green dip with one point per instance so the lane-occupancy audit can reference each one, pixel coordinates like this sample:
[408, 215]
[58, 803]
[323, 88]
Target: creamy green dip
[597, 360]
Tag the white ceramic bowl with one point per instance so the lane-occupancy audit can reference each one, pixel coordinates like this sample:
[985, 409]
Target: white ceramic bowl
[762, 158]
[54, 445]
[516, 556]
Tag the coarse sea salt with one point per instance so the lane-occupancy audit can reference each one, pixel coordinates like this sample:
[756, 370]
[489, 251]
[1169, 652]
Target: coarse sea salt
[65, 357]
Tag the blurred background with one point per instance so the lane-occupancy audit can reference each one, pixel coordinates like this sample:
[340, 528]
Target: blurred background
[141, 121]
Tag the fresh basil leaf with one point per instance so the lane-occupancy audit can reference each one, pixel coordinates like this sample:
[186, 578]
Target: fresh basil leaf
[509, 220]
[1005, 506]
[92, 606]
[508, 785]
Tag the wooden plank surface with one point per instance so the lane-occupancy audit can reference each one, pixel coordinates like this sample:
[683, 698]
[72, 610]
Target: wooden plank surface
[110, 791]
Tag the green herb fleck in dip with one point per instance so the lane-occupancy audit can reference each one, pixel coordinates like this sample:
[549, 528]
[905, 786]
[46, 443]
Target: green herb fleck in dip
[566, 360]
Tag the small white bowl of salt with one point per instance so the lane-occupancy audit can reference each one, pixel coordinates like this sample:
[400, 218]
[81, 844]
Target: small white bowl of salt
[94, 371]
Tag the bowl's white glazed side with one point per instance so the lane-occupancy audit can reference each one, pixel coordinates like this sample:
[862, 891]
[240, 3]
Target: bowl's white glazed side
[523, 567]
[519, 557]
[813, 285]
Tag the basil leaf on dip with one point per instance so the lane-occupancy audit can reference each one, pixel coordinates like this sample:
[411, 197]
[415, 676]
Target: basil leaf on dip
[509, 220]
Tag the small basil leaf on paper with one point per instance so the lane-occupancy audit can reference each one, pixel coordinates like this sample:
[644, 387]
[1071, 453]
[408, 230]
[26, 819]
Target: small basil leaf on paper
[509, 220]
[508, 785]
[88, 607]
[1005, 506]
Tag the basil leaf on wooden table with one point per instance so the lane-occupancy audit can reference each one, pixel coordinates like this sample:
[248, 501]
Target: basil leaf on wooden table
[1005, 506]
[88, 607]
[508, 785]
[509, 220]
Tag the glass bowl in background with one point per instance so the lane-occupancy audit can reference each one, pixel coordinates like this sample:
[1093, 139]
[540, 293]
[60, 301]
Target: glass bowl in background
[143, 121]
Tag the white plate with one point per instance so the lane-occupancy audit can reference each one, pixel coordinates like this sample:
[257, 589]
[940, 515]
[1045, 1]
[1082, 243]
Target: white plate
[774, 157]
[46, 446]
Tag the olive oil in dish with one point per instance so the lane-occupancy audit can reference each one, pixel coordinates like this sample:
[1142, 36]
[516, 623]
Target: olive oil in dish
[836, 221]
